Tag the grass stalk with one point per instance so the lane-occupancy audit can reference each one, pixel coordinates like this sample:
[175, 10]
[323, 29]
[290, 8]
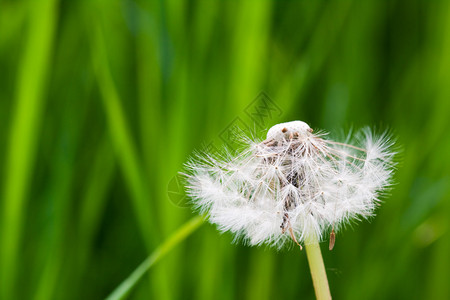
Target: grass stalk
[122, 141]
[123, 290]
[24, 132]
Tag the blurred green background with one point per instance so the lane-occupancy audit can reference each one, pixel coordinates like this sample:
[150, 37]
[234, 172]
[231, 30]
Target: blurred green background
[101, 103]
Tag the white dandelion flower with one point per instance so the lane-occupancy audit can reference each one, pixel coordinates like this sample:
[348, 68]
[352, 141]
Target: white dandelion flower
[293, 185]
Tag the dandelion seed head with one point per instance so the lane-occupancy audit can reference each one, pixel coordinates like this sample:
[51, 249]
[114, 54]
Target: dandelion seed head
[292, 185]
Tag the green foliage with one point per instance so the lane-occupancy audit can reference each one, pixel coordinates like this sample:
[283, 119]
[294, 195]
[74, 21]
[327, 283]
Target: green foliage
[101, 103]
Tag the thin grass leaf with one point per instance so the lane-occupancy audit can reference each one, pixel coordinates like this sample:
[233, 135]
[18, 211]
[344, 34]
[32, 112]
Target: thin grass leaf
[123, 290]
[23, 137]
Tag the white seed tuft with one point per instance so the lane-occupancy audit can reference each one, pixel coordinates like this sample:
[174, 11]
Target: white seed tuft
[292, 185]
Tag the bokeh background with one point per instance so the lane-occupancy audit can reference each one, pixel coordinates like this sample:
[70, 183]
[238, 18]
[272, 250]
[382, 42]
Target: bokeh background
[102, 101]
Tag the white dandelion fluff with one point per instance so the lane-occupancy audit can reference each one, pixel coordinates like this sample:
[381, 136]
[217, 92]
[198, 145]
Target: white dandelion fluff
[292, 185]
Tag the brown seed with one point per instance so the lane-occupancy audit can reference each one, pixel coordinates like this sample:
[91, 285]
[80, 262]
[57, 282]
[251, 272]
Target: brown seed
[332, 239]
[284, 130]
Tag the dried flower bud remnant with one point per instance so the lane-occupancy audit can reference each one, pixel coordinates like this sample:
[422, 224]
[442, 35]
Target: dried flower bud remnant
[292, 185]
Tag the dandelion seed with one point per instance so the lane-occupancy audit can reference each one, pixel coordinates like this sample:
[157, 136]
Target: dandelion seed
[294, 185]
[332, 240]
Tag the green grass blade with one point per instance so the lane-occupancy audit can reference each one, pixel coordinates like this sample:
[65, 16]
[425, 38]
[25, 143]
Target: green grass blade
[23, 137]
[125, 148]
[127, 285]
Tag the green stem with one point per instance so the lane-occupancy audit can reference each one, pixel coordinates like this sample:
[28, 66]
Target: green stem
[318, 274]
[125, 287]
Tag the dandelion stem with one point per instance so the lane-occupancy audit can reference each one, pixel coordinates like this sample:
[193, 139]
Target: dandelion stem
[317, 268]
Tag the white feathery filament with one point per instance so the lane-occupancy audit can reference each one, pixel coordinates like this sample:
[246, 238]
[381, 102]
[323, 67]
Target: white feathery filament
[293, 184]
